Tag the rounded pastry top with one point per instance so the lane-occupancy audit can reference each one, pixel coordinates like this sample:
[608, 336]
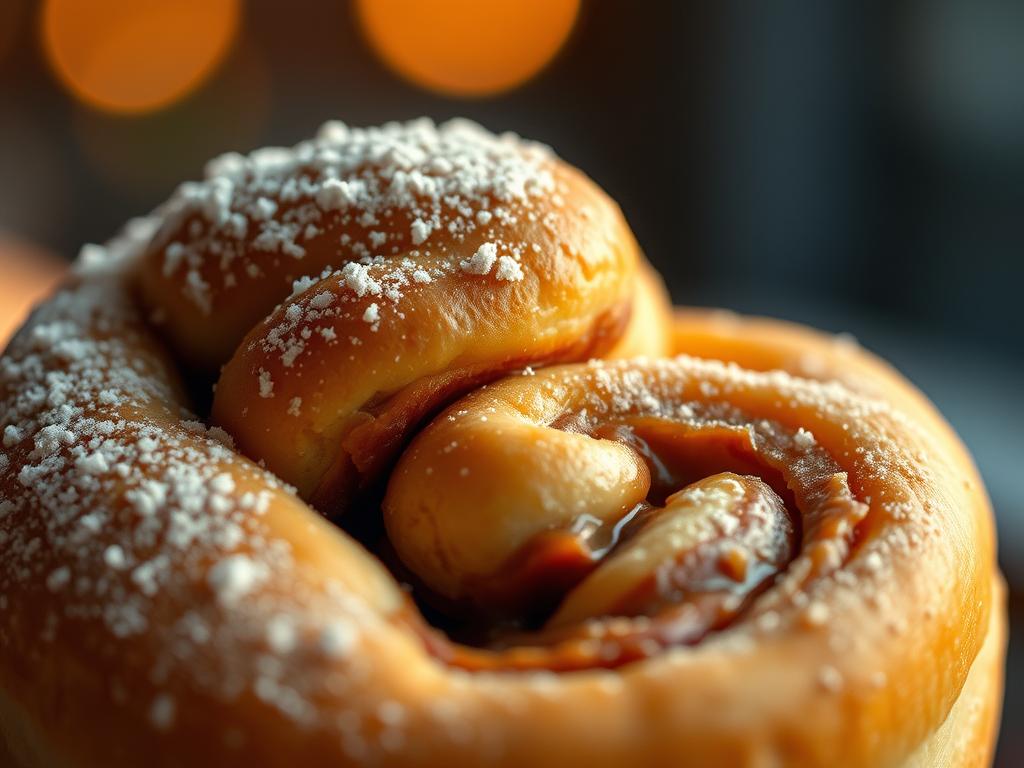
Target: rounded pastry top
[386, 211]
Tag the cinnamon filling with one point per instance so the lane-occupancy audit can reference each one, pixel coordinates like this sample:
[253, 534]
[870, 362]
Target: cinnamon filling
[724, 517]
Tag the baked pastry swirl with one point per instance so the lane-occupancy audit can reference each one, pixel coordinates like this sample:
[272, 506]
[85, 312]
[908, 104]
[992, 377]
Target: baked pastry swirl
[467, 492]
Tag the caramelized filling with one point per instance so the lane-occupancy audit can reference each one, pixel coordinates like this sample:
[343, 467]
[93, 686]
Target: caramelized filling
[719, 522]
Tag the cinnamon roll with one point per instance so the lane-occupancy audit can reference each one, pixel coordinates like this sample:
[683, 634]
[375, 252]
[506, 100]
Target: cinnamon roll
[466, 492]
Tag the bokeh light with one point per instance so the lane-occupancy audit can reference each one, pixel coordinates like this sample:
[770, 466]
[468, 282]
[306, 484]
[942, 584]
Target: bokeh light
[467, 47]
[29, 275]
[133, 56]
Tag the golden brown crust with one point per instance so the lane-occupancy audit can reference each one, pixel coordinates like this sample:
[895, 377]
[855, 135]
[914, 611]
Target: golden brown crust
[491, 255]
[167, 601]
[913, 681]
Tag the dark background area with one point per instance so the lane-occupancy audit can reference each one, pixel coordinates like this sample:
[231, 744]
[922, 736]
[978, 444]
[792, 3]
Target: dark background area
[857, 166]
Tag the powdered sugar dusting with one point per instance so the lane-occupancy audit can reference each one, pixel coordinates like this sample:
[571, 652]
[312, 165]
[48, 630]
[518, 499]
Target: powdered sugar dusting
[137, 518]
[353, 221]
[236, 576]
[387, 190]
[266, 384]
[509, 269]
[480, 263]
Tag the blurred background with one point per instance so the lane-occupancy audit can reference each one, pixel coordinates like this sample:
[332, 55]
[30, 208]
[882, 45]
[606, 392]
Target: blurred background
[855, 166]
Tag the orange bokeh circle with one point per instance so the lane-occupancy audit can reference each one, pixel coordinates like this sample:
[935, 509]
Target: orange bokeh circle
[30, 273]
[133, 56]
[467, 47]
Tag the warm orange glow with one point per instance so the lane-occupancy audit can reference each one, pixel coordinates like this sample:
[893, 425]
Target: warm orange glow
[136, 55]
[29, 275]
[467, 47]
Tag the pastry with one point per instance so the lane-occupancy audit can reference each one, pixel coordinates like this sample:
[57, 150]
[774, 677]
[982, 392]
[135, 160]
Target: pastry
[388, 449]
